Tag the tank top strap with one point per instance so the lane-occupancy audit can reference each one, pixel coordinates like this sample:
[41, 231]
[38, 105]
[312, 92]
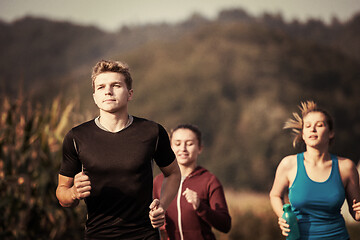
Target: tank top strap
[335, 162]
[301, 172]
[300, 159]
[335, 169]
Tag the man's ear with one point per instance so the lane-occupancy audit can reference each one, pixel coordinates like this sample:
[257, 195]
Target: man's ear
[130, 94]
[94, 99]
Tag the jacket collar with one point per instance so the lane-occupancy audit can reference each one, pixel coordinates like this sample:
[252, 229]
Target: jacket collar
[197, 171]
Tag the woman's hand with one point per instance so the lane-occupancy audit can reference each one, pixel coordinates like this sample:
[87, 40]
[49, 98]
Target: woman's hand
[192, 198]
[284, 226]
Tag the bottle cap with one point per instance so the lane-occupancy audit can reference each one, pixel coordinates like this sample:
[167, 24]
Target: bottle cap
[287, 207]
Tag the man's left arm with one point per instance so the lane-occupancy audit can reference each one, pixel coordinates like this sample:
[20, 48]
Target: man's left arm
[169, 189]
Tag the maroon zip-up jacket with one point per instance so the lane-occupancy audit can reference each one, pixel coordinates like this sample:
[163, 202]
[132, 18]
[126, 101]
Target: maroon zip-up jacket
[212, 211]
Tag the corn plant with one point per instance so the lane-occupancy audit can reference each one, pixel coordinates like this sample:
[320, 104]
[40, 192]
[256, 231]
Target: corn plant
[30, 156]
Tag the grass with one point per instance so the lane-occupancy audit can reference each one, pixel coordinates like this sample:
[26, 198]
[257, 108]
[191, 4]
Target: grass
[253, 218]
[30, 155]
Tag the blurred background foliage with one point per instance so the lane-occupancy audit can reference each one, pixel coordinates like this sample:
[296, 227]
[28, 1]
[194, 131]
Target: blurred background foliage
[237, 77]
[30, 140]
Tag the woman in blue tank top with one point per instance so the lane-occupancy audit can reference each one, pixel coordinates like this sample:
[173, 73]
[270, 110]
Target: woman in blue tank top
[317, 181]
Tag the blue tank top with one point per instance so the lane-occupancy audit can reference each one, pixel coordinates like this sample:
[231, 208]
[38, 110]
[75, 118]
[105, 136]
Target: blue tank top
[318, 204]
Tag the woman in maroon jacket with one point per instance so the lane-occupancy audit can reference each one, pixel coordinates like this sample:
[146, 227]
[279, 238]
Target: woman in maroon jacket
[200, 203]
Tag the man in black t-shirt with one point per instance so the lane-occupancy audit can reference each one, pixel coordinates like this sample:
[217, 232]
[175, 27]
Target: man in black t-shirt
[108, 162]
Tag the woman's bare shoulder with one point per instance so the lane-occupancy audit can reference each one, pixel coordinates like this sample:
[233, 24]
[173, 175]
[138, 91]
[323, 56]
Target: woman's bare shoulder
[288, 162]
[347, 167]
[346, 163]
[349, 174]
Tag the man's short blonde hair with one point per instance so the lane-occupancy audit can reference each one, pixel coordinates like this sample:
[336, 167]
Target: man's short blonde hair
[112, 66]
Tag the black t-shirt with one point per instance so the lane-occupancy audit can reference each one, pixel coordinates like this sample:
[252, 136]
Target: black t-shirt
[119, 166]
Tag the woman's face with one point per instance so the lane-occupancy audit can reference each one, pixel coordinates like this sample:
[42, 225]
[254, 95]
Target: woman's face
[315, 130]
[186, 147]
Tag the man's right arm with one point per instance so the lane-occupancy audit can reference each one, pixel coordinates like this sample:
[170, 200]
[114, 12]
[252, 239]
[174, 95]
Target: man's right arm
[71, 190]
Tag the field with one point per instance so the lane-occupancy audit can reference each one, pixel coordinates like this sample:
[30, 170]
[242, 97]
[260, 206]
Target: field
[253, 218]
[29, 162]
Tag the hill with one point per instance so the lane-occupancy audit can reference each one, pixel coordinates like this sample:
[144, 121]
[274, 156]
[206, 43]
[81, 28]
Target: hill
[237, 77]
[239, 83]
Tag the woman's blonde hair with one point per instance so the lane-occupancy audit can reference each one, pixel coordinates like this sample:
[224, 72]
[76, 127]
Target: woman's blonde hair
[296, 124]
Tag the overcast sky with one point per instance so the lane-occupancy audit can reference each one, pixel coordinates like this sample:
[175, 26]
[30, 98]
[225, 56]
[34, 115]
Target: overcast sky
[112, 14]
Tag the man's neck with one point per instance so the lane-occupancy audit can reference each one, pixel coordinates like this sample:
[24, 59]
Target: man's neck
[114, 122]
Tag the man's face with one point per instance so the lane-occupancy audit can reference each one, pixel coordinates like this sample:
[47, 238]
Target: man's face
[111, 93]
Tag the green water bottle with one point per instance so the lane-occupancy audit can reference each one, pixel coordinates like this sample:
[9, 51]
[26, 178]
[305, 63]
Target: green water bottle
[290, 218]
